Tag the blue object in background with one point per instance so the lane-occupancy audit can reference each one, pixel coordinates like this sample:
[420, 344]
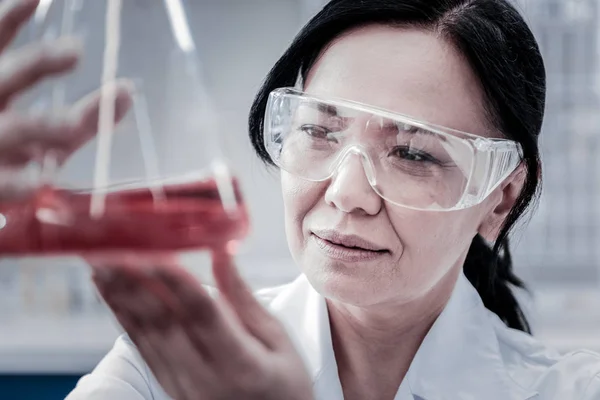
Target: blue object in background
[36, 387]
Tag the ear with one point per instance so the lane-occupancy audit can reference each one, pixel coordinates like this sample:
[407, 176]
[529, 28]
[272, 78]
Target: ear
[502, 200]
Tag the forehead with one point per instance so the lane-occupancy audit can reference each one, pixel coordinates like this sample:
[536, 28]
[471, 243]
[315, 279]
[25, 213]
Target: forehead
[408, 71]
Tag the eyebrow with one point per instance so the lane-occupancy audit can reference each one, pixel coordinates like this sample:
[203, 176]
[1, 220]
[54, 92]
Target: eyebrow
[397, 126]
[393, 127]
[328, 109]
[332, 111]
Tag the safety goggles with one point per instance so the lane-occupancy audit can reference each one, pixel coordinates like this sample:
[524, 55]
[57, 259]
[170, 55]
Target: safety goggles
[407, 162]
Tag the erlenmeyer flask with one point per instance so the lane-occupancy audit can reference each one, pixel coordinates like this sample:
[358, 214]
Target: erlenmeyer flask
[160, 180]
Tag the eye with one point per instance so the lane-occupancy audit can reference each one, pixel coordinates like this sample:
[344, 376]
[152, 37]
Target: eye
[411, 154]
[317, 132]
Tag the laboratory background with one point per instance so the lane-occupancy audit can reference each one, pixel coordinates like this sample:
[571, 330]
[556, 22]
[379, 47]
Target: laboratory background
[53, 328]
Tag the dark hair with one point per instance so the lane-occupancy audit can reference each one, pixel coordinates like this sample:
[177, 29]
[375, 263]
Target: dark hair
[504, 55]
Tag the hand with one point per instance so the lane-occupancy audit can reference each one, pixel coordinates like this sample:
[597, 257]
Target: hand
[197, 346]
[24, 139]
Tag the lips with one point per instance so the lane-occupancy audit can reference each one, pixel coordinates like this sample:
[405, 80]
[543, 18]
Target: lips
[352, 242]
[349, 249]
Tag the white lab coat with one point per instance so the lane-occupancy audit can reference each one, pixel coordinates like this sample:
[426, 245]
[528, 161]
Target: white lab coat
[468, 354]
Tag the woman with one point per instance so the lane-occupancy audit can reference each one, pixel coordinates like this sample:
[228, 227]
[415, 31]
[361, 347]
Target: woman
[397, 217]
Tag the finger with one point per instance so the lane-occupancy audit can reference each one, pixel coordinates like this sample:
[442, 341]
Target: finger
[161, 341]
[213, 328]
[85, 114]
[25, 138]
[86, 110]
[17, 184]
[253, 315]
[110, 283]
[129, 260]
[23, 68]
[166, 345]
[13, 15]
[159, 349]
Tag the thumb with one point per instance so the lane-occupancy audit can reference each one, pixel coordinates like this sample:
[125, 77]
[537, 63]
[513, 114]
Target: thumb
[257, 320]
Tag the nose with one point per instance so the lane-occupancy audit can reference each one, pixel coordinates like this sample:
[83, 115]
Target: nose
[349, 189]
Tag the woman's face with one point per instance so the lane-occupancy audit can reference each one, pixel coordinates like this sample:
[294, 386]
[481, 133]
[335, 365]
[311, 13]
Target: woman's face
[411, 72]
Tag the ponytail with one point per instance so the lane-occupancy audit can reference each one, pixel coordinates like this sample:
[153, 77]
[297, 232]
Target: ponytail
[490, 271]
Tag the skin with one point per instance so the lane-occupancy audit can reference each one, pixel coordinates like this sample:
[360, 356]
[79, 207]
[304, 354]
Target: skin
[381, 309]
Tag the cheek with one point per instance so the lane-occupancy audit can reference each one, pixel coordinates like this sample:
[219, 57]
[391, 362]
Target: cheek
[299, 198]
[433, 242]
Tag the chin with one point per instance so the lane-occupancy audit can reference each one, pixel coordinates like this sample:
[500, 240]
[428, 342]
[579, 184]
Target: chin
[340, 283]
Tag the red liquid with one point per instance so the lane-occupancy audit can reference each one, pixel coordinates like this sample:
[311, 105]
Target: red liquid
[56, 221]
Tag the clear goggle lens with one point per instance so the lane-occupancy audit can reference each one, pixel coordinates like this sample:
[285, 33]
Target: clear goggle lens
[407, 162]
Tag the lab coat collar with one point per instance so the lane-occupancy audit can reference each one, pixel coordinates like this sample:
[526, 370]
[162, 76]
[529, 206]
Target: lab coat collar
[460, 356]
[458, 359]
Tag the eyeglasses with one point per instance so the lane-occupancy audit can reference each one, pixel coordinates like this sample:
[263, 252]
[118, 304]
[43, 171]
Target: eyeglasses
[407, 162]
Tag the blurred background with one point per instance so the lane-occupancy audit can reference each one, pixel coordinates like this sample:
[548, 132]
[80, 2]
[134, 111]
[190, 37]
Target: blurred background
[53, 327]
